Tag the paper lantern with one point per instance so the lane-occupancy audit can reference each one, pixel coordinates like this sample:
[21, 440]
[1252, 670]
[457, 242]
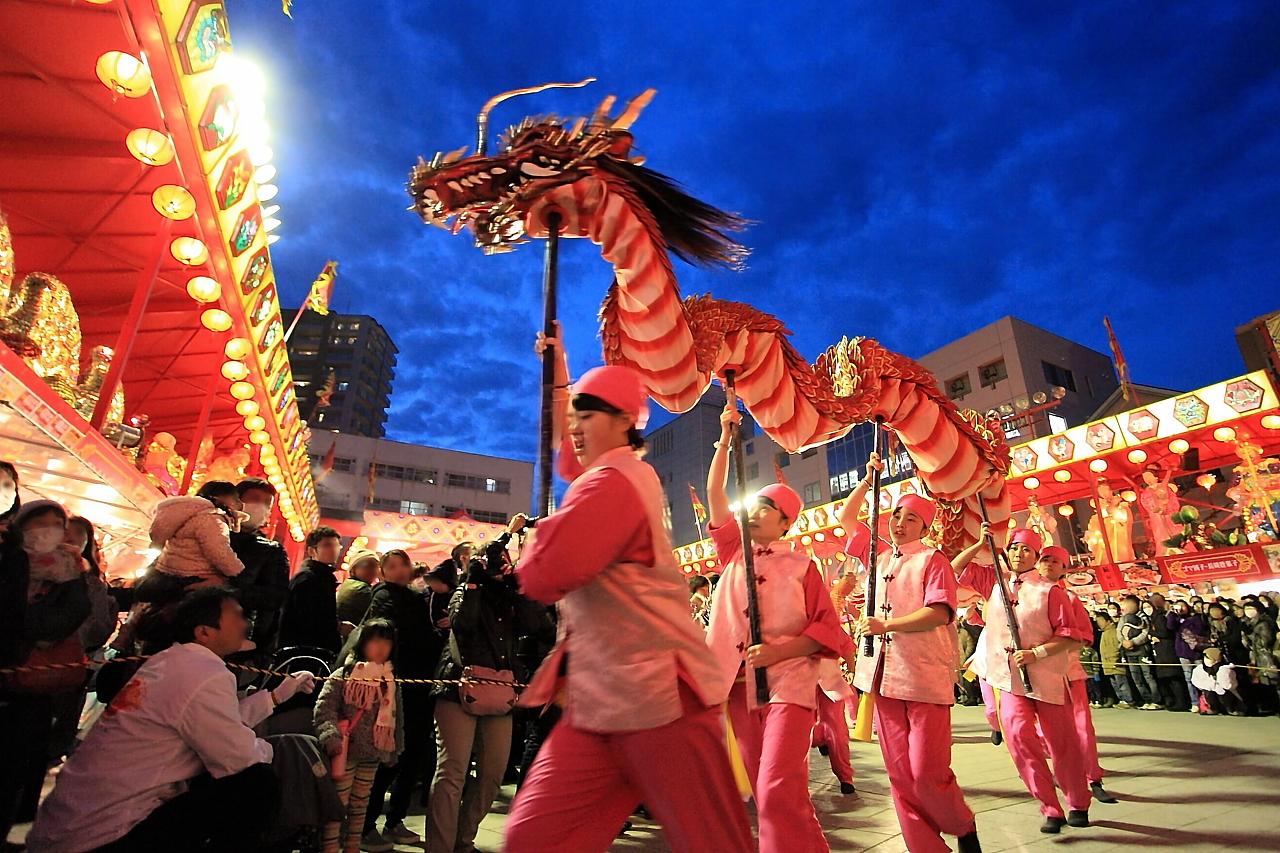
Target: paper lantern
[238, 348]
[189, 251]
[242, 390]
[149, 146]
[1066, 510]
[1206, 481]
[1031, 483]
[1137, 456]
[266, 192]
[1097, 466]
[247, 408]
[1224, 434]
[255, 423]
[235, 370]
[202, 288]
[1062, 475]
[1271, 422]
[264, 174]
[173, 202]
[216, 320]
[260, 437]
[124, 74]
[1129, 495]
[1179, 446]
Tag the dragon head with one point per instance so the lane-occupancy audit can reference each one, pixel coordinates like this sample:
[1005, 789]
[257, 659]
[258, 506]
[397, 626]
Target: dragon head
[496, 195]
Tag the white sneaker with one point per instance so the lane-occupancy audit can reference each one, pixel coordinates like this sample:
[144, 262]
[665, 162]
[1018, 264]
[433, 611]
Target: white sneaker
[373, 842]
[401, 834]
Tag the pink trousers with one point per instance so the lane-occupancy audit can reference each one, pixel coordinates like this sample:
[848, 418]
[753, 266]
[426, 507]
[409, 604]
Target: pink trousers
[1019, 716]
[832, 731]
[915, 739]
[1078, 699]
[989, 704]
[774, 741]
[584, 785]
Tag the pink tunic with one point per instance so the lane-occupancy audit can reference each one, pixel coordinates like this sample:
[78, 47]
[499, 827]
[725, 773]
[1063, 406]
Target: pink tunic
[920, 666]
[1043, 613]
[624, 608]
[794, 602]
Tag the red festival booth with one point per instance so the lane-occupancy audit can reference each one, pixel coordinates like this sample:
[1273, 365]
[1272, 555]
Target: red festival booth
[144, 345]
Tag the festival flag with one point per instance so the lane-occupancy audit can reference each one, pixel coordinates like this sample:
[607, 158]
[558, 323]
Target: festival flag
[778, 476]
[373, 481]
[325, 395]
[1122, 366]
[699, 510]
[326, 464]
[322, 288]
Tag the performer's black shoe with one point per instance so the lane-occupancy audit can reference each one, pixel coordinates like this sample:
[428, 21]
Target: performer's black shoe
[847, 788]
[968, 843]
[1101, 794]
[822, 750]
[1078, 818]
[997, 737]
[1052, 825]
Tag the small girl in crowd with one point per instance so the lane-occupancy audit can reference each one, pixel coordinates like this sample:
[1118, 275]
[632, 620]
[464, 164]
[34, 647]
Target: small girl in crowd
[195, 534]
[358, 722]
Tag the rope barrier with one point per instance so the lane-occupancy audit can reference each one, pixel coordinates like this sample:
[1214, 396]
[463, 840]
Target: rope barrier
[88, 664]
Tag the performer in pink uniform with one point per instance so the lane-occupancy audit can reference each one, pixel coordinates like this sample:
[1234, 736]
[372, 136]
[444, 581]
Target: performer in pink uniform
[1047, 631]
[980, 555]
[912, 677]
[641, 696]
[1077, 695]
[799, 626]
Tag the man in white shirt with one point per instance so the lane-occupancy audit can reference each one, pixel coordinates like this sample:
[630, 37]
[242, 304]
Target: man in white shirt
[173, 764]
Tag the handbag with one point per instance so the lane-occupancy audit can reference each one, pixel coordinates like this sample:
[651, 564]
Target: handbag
[67, 653]
[338, 764]
[494, 697]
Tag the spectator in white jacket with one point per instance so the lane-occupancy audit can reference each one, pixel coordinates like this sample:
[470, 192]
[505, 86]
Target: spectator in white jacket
[174, 763]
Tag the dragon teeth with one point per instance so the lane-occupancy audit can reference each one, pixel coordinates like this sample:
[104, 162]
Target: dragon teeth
[455, 186]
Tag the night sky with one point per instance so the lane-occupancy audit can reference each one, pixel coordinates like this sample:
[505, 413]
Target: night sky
[913, 174]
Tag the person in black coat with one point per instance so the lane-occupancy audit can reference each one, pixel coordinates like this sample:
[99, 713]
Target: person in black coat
[1168, 670]
[310, 615]
[264, 584]
[417, 650]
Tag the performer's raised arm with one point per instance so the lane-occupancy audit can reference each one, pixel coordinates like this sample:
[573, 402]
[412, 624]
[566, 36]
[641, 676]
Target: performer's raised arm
[858, 497]
[717, 494]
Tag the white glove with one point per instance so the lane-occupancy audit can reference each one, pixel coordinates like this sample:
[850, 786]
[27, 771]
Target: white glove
[299, 682]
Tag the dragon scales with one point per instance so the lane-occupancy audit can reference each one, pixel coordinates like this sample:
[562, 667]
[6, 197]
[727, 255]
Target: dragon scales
[583, 169]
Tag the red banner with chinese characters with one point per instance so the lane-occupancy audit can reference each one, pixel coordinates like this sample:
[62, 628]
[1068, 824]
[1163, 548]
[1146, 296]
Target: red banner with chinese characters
[1241, 564]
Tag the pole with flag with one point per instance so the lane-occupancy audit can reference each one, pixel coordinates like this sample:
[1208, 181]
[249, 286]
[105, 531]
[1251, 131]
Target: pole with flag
[326, 464]
[318, 299]
[373, 482]
[699, 510]
[1122, 366]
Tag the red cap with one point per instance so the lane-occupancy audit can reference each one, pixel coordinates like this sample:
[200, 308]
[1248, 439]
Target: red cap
[619, 386]
[784, 498]
[1028, 537]
[920, 505]
[1059, 552]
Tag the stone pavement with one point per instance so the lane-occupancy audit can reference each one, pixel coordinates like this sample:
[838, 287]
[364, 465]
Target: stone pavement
[1186, 783]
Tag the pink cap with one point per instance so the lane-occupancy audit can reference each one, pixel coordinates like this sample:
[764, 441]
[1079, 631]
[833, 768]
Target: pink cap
[1028, 537]
[619, 386]
[784, 498]
[1058, 552]
[920, 505]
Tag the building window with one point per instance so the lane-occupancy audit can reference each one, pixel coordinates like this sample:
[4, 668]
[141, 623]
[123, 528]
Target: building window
[753, 471]
[784, 460]
[415, 508]
[751, 448]
[480, 484]
[405, 472]
[990, 374]
[661, 443]
[343, 465]
[385, 504]
[1055, 375]
[812, 493]
[959, 387]
[483, 515]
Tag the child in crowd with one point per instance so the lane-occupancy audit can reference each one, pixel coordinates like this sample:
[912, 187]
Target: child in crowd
[1135, 652]
[358, 722]
[1112, 666]
[194, 534]
[1218, 684]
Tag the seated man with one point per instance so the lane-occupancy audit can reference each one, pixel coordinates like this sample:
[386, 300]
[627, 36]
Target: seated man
[173, 764]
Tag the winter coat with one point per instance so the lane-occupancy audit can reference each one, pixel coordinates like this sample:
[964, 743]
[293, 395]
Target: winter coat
[195, 538]
[263, 585]
[1133, 627]
[1109, 651]
[310, 615]
[418, 644]
[331, 706]
[1090, 661]
[1260, 634]
[1162, 645]
[354, 597]
[103, 614]
[49, 618]
[1185, 627]
[487, 616]
[1227, 635]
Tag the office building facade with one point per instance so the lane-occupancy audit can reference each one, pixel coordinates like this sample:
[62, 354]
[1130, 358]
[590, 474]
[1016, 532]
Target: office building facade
[361, 356]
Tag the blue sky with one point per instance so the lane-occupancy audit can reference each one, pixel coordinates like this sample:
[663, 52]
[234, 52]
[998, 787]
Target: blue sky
[915, 171]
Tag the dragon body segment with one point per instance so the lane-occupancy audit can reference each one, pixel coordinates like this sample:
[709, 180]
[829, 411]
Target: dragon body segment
[584, 171]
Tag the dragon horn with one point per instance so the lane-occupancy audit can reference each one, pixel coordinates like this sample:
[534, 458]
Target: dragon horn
[482, 120]
[602, 112]
[453, 156]
[634, 107]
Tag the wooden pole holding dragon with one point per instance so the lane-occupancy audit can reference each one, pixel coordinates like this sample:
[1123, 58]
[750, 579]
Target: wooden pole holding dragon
[748, 552]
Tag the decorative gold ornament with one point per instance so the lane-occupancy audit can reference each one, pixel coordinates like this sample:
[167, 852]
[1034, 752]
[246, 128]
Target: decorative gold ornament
[40, 324]
[162, 464]
[6, 261]
[89, 389]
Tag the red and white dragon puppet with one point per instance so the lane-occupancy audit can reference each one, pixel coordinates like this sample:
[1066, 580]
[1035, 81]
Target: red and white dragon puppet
[584, 169]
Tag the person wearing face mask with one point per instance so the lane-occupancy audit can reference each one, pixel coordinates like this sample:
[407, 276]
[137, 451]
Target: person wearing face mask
[264, 583]
[10, 501]
[641, 717]
[1260, 637]
[43, 602]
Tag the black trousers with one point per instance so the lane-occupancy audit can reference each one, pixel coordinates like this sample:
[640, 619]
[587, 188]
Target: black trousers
[419, 749]
[1173, 691]
[26, 727]
[230, 814]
